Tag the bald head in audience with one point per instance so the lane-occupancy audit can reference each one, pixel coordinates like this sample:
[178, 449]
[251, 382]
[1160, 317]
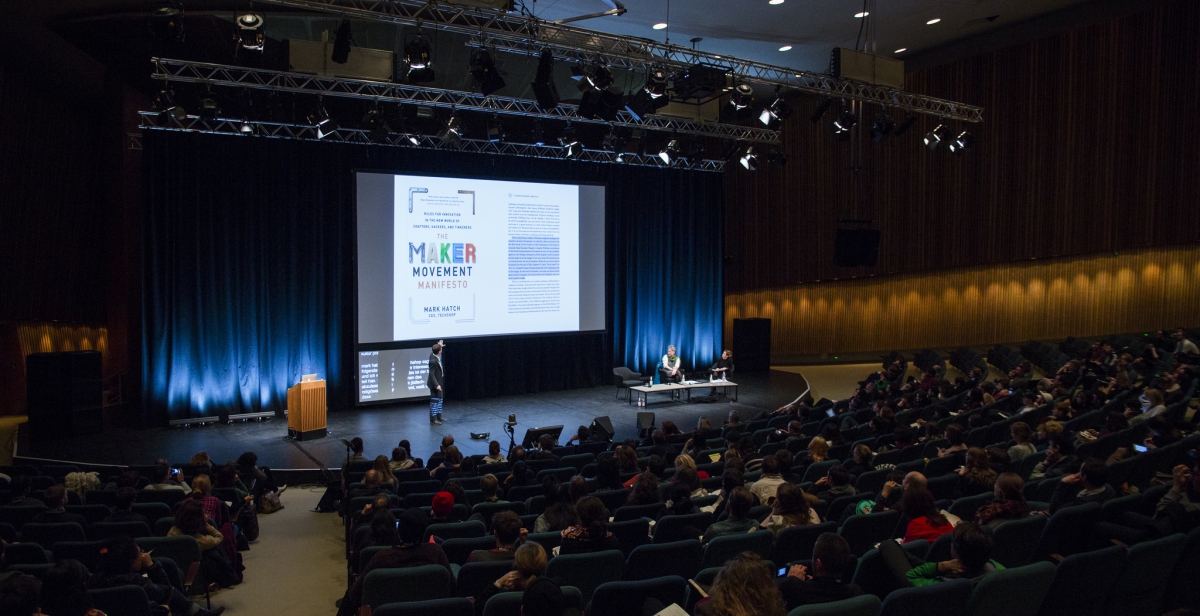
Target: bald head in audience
[372, 479]
[915, 479]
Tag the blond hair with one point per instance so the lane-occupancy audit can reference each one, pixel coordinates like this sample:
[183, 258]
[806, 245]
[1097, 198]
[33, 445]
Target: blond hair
[818, 447]
[684, 461]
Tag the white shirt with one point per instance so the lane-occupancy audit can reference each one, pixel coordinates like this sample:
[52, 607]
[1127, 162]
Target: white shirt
[1186, 346]
[668, 365]
[766, 487]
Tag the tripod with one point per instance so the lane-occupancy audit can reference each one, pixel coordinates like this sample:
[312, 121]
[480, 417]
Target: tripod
[511, 429]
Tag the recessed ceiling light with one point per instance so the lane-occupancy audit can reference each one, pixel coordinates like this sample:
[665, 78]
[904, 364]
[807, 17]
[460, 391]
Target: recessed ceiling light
[775, 2]
[861, 15]
[660, 26]
[785, 48]
[902, 50]
[933, 21]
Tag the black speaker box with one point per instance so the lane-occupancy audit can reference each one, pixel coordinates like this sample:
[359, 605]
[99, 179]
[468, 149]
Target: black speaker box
[752, 345]
[645, 420]
[64, 394]
[602, 429]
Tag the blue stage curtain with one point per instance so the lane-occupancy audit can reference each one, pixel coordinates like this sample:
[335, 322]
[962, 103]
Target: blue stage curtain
[249, 260]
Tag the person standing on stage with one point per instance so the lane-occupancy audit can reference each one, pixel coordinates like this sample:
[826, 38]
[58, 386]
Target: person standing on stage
[435, 381]
[672, 368]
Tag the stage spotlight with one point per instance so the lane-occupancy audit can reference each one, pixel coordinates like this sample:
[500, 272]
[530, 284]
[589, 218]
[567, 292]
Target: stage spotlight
[245, 127]
[963, 141]
[749, 160]
[167, 21]
[883, 125]
[483, 69]
[819, 112]
[418, 55]
[451, 133]
[846, 121]
[167, 110]
[376, 125]
[741, 97]
[543, 82]
[905, 124]
[341, 44]
[209, 108]
[614, 142]
[251, 31]
[652, 96]
[671, 152]
[777, 157]
[774, 115]
[600, 77]
[934, 137]
[495, 130]
[320, 120]
[570, 142]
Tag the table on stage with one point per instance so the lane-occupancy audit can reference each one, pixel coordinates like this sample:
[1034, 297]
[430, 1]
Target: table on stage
[644, 391]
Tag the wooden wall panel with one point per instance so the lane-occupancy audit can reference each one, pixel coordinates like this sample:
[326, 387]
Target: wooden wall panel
[1088, 146]
[1142, 290]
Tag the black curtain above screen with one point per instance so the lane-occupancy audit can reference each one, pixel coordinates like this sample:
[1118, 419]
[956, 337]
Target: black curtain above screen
[250, 263]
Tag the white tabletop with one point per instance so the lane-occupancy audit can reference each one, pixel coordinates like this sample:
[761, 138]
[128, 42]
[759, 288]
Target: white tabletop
[684, 385]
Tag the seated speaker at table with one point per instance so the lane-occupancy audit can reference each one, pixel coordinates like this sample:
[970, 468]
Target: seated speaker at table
[670, 370]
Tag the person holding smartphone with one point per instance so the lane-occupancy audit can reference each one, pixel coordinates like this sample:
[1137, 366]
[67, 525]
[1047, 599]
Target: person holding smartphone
[825, 583]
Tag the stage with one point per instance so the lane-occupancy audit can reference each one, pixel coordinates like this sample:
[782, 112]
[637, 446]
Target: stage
[382, 427]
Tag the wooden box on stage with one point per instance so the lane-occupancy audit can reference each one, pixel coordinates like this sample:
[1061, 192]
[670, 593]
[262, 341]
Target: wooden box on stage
[306, 410]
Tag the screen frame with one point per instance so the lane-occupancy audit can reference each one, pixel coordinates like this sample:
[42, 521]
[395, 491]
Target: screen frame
[359, 347]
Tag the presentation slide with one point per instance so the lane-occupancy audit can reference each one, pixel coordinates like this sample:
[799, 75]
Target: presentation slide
[393, 374]
[446, 258]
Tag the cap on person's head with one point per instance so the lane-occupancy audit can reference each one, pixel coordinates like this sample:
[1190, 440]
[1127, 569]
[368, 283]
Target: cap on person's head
[412, 525]
[443, 503]
[542, 598]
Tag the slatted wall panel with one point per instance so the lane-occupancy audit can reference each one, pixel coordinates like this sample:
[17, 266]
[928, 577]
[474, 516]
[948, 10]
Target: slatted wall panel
[1044, 299]
[56, 337]
[1088, 146]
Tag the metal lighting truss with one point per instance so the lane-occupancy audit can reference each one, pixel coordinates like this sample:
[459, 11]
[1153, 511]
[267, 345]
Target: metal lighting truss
[529, 35]
[279, 81]
[227, 126]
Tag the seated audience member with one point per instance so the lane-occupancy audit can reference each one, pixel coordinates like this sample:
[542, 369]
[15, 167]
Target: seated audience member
[451, 458]
[930, 431]
[1151, 406]
[381, 531]
[256, 479]
[490, 487]
[770, 480]
[442, 506]
[123, 563]
[201, 463]
[591, 535]
[19, 490]
[164, 480]
[684, 460]
[1162, 433]
[738, 506]
[733, 419]
[582, 435]
[1009, 503]
[862, 461]
[749, 453]
[893, 489]
[228, 476]
[1029, 401]
[466, 468]
[506, 528]
[356, 452]
[379, 503]
[372, 481]
[627, 459]
[924, 519]
[818, 451]
[792, 507]
[400, 460]
[520, 475]
[1178, 511]
[831, 556]
[20, 595]
[577, 488]
[1060, 458]
[191, 521]
[123, 508]
[543, 597]
[1022, 434]
[688, 476]
[1046, 429]
[56, 508]
[214, 509]
[645, 490]
[412, 551]
[529, 565]
[383, 466]
[970, 558]
[976, 475]
[954, 435]
[64, 590]
[730, 480]
[435, 460]
[494, 456]
[835, 484]
[608, 476]
[660, 446]
[679, 501]
[743, 587]
[560, 513]
[1089, 485]
[545, 450]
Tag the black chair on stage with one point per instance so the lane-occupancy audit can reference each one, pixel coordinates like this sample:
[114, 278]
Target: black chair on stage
[626, 378]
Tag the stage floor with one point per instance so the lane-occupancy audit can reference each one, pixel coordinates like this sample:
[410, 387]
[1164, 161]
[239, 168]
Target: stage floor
[382, 427]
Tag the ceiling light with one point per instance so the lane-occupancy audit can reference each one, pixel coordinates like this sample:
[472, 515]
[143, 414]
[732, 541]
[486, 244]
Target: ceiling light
[846, 121]
[749, 160]
[660, 26]
[934, 137]
[861, 15]
[775, 2]
[451, 133]
[963, 141]
[483, 69]
[670, 152]
[901, 50]
[882, 127]
[785, 48]
[418, 55]
[251, 31]
[320, 120]
[246, 128]
[341, 44]
[933, 21]
[742, 96]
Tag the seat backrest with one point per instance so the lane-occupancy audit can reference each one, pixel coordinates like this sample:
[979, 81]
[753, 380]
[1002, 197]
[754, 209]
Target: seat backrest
[1184, 590]
[631, 533]
[458, 549]
[422, 583]
[839, 505]
[509, 603]
[677, 527]
[1016, 541]
[945, 486]
[726, 547]
[862, 532]
[630, 597]
[1138, 589]
[936, 467]
[456, 606]
[414, 499]
[124, 600]
[487, 510]
[1068, 530]
[966, 506]
[939, 550]
[587, 571]
[182, 549]
[404, 488]
[633, 512]
[817, 470]
[46, 535]
[863, 605]
[1012, 592]
[797, 542]
[24, 554]
[1081, 583]
[474, 577]
[681, 558]
[91, 513]
[456, 530]
[872, 481]
[86, 552]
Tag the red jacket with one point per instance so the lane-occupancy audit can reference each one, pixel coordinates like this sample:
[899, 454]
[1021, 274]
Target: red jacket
[921, 528]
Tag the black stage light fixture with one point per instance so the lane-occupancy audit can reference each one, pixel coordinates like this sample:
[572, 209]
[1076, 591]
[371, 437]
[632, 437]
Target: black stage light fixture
[741, 97]
[319, 119]
[166, 21]
[166, 107]
[209, 108]
[251, 31]
[651, 97]
[451, 133]
[613, 142]
[882, 127]
[600, 77]
[543, 81]
[570, 142]
[602, 103]
[749, 160]
[341, 44]
[934, 137]
[963, 141]
[483, 69]
[773, 115]
[495, 130]
[376, 125]
[538, 134]
[671, 152]
[845, 121]
[418, 55]
[777, 157]
[905, 124]
[819, 112]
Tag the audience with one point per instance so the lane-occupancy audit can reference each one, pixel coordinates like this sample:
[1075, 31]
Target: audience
[1060, 458]
[56, 508]
[744, 587]
[738, 507]
[791, 508]
[494, 456]
[769, 482]
[1089, 485]
[976, 475]
[924, 519]
[1009, 503]
[64, 590]
[411, 551]
[123, 508]
[591, 534]
[1021, 433]
[123, 563]
[400, 460]
[835, 484]
[831, 556]
[506, 528]
[970, 558]
[529, 565]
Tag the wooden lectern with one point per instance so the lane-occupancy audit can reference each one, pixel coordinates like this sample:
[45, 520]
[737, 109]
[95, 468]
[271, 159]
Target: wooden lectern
[306, 410]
